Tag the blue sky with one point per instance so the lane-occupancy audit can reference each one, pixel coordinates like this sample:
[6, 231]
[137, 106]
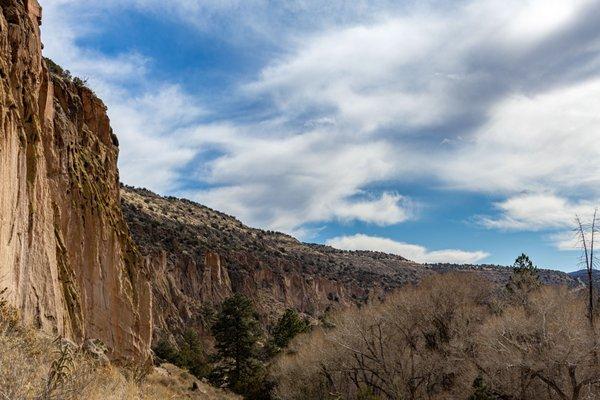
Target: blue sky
[464, 131]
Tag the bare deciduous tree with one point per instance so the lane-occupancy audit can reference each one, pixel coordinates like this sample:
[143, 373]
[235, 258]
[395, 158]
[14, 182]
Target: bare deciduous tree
[586, 234]
[451, 337]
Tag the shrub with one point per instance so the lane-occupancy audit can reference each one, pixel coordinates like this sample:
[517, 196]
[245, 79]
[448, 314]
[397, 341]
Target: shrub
[165, 351]
[189, 354]
[56, 69]
[448, 338]
[33, 367]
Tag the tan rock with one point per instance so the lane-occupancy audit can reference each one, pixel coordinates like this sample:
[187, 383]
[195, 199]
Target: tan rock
[66, 257]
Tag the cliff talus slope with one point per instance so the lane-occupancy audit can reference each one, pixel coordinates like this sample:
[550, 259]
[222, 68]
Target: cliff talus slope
[66, 258]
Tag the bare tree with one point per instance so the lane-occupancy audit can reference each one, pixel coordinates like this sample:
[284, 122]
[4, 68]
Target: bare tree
[586, 235]
[543, 351]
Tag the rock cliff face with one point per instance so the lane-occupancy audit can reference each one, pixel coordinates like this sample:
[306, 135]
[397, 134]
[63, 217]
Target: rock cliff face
[198, 257]
[66, 258]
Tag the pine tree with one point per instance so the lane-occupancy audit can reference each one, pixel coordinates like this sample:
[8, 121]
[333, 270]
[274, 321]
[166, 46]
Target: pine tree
[191, 354]
[481, 391]
[289, 326]
[237, 332]
[524, 279]
[165, 350]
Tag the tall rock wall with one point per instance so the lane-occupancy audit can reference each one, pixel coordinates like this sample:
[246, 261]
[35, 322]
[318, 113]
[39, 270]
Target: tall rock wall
[66, 258]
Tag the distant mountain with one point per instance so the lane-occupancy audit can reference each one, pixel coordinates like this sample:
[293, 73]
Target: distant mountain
[582, 275]
[198, 256]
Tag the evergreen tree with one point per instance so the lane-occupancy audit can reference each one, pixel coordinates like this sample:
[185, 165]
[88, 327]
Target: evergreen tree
[236, 333]
[481, 391]
[524, 278]
[165, 351]
[289, 325]
[191, 354]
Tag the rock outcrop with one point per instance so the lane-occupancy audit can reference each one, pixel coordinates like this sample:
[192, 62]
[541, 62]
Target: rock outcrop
[66, 257]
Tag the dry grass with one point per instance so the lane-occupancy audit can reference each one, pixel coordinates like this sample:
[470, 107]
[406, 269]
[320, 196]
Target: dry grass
[36, 367]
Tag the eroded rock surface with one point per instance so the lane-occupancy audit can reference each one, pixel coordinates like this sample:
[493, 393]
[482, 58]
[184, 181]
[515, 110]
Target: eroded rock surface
[66, 256]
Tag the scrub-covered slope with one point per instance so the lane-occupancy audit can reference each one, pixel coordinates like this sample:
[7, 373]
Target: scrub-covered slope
[198, 256]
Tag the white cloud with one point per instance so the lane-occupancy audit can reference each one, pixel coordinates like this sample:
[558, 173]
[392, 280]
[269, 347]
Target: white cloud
[152, 135]
[285, 182]
[362, 96]
[539, 18]
[280, 179]
[410, 251]
[149, 120]
[537, 212]
[544, 142]
[544, 212]
[425, 68]
[565, 241]
[389, 209]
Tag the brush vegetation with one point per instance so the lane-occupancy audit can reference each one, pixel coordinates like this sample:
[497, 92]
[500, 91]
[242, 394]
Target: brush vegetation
[453, 336]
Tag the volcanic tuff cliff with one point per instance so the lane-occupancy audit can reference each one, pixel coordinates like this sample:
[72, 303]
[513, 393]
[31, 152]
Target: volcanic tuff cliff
[198, 256]
[66, 258]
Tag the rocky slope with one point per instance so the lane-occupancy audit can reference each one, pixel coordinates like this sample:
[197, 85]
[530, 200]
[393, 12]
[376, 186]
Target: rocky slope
[198, 257]
[66, 258]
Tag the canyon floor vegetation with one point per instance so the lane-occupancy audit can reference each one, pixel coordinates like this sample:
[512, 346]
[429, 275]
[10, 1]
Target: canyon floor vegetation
[453, 336]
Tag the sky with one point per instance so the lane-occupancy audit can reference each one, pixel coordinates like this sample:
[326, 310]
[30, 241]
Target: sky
[443, 131]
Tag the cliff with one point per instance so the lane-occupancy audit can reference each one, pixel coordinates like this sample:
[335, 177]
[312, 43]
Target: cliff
[66, 258]
[198, 256]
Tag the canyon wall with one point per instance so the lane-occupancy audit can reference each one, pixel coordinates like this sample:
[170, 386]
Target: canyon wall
[197, 257]
[67, 260]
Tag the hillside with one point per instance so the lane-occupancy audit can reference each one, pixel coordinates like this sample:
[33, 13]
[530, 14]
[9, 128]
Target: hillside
[582, 276]
[199, 256]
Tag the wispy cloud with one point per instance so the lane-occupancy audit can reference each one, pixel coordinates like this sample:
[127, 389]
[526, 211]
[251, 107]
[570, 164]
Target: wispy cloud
[536, 142]
[411, 251]
[361, 96]
[538, 212]
[285, 182]
[148, 114]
